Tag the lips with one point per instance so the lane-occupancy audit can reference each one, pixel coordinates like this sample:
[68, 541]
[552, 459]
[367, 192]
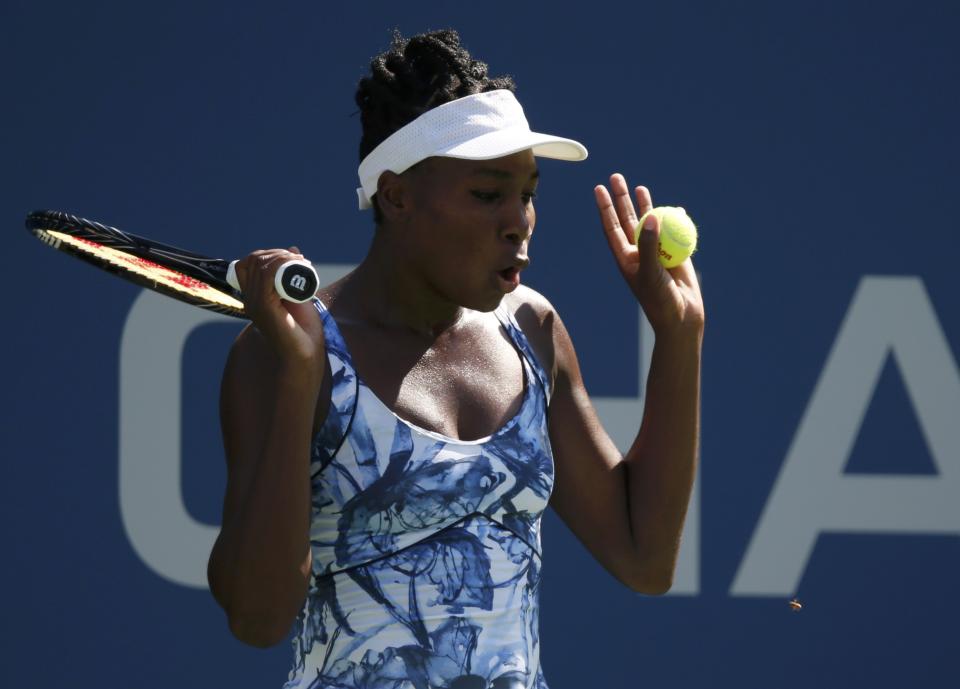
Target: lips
[517, 263]
[510, 275]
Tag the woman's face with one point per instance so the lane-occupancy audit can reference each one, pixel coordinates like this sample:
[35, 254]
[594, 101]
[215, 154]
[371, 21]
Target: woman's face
[469, 225]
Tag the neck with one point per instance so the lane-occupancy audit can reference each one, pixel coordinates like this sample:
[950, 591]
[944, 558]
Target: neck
[387, 291]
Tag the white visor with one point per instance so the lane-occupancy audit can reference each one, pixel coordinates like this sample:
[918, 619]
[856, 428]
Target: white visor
[478, 127]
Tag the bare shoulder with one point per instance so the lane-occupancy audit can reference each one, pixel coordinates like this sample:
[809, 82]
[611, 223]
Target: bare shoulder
[526, 302]
[250, 379]
[247, 376]
[540, 322]
[250, 355]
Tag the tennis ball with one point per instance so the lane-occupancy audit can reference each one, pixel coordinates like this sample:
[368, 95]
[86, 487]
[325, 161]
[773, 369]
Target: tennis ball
[678, 235]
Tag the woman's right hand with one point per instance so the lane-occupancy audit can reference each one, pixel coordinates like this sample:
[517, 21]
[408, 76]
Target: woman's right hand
[294, 330]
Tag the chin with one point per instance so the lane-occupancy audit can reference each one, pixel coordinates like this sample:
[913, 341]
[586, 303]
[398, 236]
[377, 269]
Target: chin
[485, 306]
[481, 298]
[485, 303]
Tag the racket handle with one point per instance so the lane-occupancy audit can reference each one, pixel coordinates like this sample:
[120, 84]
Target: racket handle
[295, 280]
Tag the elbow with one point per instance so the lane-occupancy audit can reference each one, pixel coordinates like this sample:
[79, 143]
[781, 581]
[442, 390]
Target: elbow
[259, 631]
[260, 627]
[255, 618]
[651, 586]
[650, 581]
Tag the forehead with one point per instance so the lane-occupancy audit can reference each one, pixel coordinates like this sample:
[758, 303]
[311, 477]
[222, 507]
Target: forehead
[520, 166]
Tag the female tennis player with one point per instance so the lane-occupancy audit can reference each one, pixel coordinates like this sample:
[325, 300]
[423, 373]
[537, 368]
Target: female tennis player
[391, 447]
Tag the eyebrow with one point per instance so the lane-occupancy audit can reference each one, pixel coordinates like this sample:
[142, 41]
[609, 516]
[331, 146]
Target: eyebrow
[501, 174]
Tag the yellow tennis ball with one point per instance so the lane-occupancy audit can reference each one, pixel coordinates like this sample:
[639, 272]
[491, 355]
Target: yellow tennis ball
[678, 235]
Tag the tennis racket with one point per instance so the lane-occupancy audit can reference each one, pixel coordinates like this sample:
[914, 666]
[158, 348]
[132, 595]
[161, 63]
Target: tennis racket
[210, 283]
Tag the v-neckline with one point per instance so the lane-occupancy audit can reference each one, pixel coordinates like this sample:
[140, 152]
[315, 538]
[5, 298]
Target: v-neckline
[528, 382]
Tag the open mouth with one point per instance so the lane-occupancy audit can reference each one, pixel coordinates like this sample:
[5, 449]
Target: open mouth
[511, 276]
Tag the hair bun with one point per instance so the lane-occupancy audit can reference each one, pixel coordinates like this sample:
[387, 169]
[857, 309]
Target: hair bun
[413, 76]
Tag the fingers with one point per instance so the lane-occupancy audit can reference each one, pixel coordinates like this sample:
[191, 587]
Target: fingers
[612, 227]
[620, 224]
[294, 329]
[617, 212]
[644, 202]
[255, 273]
[257, 277]
[623, 204]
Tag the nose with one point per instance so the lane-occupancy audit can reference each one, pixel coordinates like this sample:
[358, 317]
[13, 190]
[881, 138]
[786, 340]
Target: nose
[517, 224]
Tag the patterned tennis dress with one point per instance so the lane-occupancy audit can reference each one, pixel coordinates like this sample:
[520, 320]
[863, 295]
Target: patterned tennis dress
[426, 549]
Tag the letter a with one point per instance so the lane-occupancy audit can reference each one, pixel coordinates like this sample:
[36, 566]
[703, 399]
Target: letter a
[812, 494]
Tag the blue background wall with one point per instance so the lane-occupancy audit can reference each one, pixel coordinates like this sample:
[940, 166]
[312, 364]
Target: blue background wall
[817, 146]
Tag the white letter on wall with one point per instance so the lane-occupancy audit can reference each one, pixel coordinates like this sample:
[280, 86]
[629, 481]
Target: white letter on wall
[812, 494]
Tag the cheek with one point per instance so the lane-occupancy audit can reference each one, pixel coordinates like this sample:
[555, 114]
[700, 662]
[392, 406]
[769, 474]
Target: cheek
[463, 255]
[461, 261]
[462, 234]
[457, 240]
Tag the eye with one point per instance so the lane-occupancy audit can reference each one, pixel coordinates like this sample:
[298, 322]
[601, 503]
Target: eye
[495, 196]
[486, 196]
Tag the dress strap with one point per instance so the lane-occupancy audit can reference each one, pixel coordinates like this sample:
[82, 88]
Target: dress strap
[335, 343]
[520, 340]
[344, 394]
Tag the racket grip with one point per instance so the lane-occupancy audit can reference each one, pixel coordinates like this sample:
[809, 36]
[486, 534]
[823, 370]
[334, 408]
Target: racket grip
[295, 280]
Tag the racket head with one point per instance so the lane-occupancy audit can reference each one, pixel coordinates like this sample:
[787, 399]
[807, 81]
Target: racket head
[183, 275]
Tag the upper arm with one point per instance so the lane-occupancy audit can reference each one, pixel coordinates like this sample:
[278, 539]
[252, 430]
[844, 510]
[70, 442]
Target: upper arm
[246, 393]
[590, 488]
[244, 376]
[243, 393]
[254, 571]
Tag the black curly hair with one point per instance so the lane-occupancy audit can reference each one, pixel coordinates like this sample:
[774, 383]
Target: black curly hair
[413, 76]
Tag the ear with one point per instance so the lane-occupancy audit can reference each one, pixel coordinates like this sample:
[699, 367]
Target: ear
[393, 196]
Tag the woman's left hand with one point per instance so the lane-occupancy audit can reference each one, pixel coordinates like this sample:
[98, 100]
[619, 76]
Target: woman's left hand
[670, 298]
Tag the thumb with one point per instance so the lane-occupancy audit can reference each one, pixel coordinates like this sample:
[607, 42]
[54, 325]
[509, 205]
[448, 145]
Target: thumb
[648, 243]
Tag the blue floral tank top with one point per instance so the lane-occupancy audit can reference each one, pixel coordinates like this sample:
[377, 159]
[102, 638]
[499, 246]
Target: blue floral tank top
[426, 549]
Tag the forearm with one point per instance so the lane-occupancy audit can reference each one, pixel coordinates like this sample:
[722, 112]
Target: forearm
[661, 464]
[259, 568]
